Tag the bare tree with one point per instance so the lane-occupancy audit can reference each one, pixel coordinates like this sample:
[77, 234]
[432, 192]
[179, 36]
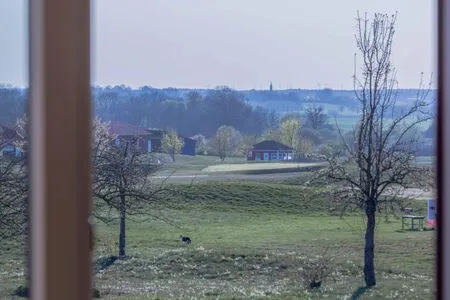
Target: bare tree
[14, 195]
[121, 179]
[315, 116]
[14, 183]
[380, 154]
[106, 104]
[12, 102]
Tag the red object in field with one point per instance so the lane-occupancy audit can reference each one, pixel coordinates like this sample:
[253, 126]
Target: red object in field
[432, 223]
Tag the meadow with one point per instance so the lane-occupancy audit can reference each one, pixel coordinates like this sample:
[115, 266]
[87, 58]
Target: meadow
[261, 167]
[250, 241]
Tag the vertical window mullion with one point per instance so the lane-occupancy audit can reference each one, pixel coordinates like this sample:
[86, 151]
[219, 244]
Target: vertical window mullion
[60, 149]
[443, 142]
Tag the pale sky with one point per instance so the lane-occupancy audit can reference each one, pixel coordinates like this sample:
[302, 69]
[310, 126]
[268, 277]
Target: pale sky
[244, 44]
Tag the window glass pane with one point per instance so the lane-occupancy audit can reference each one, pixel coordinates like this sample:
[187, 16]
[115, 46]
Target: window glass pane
[216, 89]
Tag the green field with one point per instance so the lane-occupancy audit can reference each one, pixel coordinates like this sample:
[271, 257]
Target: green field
[185, 164]
[201, 164]
[250, 241]
[261, 167]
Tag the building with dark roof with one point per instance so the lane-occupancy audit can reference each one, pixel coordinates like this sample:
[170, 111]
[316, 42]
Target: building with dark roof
[146, 139]
[271, 151]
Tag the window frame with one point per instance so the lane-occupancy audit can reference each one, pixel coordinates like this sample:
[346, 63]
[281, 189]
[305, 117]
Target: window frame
[60, 118]
[443, 148]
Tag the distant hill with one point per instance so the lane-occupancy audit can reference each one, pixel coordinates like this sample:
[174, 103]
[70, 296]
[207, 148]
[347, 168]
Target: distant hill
[339, 104]
[342, 102]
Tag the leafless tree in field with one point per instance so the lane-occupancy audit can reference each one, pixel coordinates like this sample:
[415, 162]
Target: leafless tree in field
[13, 201]
[14, 184]
[315, 116]
[121, 179]
[379, 156]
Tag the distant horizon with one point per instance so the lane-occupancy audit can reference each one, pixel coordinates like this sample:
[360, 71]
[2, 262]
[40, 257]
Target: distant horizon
[6, 85]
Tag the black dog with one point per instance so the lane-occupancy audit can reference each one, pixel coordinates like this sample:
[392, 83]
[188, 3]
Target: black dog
[185, 239]
[315, 284]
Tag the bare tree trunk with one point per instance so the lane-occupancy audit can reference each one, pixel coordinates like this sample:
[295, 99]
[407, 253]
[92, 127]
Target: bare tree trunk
[122, 237]
[369, 248]
[173, 154]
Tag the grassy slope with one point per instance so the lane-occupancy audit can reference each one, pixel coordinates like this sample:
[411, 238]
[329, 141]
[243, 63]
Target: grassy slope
[185, 164]
[262, 167]
[249, 197]
[211, 165]
[251, 239]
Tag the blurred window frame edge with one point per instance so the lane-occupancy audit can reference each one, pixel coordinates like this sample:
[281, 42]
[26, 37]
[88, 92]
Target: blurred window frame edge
[52, 282]
[442, 10]
[60, 116]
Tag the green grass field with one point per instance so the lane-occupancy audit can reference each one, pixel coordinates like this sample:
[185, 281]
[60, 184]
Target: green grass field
[200, 164]
[250, 241]
[261, 167]
[185, 164]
